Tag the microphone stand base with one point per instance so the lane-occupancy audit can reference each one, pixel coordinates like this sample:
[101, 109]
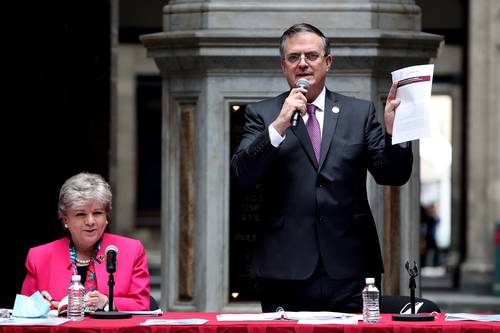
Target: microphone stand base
[412, 317]
[109, 315]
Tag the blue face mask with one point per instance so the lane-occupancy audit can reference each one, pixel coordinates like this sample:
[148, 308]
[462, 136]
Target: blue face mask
[34, 306]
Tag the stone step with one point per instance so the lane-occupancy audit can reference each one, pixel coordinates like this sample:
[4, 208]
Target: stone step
[455, 301]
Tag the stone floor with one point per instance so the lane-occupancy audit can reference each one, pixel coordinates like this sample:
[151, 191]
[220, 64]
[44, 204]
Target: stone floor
[437, 286]
[451, 301]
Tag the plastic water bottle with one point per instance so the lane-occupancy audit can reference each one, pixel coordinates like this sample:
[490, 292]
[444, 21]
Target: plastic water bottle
[371, 310]
[76, 294]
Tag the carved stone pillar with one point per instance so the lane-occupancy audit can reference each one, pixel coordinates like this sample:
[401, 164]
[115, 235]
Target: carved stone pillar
[483, 154]
[213, 54]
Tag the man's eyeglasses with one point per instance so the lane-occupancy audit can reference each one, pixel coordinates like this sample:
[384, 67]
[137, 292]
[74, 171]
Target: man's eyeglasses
[310, 57]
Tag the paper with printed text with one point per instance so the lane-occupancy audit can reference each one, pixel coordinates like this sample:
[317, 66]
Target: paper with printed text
[412, 120]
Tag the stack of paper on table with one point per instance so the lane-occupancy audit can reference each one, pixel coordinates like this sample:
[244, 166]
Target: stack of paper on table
[303, 317]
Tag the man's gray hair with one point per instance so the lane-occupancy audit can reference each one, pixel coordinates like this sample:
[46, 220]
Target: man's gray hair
[299, 28]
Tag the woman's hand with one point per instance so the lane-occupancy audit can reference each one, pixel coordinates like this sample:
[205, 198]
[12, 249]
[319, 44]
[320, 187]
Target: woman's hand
[95, 300]
[52, 302]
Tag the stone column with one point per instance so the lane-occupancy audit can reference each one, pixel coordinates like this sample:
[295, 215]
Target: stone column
[122, 148]
[215, 53]
[483, 155]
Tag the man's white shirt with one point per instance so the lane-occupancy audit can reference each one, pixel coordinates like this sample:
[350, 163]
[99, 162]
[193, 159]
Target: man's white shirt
[319, 102]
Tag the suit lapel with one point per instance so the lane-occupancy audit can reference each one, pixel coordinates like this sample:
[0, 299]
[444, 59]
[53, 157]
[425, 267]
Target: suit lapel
[329, 125]
[303, 136]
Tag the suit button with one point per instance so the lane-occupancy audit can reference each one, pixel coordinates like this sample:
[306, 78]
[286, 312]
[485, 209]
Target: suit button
[321, 219]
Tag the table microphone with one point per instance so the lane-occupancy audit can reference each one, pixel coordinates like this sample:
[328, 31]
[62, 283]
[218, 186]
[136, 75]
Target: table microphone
[111, 252]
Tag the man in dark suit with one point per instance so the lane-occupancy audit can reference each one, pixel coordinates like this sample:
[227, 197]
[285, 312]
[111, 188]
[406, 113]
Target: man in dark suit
[318, 241]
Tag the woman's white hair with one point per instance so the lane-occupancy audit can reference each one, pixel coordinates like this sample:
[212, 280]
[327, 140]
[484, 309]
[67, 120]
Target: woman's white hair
[82, 189]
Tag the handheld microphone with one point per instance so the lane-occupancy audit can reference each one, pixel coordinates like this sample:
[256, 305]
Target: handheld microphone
[111, 252]
[301, 83]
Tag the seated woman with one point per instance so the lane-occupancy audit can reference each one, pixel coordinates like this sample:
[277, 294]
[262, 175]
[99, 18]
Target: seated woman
[84, 205]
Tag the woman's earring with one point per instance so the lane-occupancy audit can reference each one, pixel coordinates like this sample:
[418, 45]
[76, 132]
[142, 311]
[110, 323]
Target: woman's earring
[66, 225]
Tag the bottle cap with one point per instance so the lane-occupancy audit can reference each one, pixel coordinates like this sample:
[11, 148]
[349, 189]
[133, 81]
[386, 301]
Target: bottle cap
[367, 280]
[76, 278]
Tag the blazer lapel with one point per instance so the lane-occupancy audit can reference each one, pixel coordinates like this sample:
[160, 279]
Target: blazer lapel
[329, 125]
[303, 136]
[62, 266]
[100, 267]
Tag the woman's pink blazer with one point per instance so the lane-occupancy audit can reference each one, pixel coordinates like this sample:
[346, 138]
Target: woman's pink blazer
[49, 268]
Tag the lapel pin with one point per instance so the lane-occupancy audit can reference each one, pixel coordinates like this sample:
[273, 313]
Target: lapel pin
[335, 109]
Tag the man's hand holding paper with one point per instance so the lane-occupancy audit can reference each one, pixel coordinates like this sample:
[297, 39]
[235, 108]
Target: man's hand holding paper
[412, 118]
[390, 108]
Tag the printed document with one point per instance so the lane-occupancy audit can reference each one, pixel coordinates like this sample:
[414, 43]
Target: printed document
[284, 315]
[412, 120]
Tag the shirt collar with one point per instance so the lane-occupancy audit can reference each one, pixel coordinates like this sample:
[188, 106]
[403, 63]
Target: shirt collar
[319, 102]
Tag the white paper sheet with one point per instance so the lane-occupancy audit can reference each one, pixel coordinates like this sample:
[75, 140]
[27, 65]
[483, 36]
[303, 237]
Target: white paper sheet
[412, 120]
[284, 315]
[157, 312]
[48, 321]
[470, 316]
[248, 316]
[187, 321]
[316, 315]
[353, 320]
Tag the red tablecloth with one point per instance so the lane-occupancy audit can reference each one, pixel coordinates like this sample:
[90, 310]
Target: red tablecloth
[387, 325]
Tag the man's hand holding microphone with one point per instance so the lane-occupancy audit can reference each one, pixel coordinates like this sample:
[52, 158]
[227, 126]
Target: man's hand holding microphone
[294, 106]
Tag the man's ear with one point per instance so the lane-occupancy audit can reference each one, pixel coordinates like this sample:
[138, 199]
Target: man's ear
[329, 62]
[282, 64]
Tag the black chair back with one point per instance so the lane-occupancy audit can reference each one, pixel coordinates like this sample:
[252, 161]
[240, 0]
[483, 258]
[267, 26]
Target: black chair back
[153, 304]
[394, 304]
